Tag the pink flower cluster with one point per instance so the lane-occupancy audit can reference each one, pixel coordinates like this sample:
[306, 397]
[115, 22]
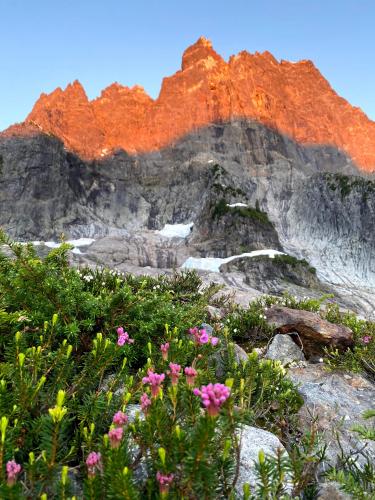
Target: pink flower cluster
[154, 380]
[93, 463]
[13, 469]
[164, 350]
[366, 339]
[164, 481]
[174, 372]
[123, 337]
[115, 436]
[202, 337]
[191, 374]
[213, 396]
[145, 403]
[120, 419]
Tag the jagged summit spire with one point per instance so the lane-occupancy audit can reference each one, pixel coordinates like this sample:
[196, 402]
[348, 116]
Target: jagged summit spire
[294, 99]
[201, 50]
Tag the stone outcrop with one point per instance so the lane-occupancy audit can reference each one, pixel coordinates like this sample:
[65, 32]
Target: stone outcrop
[293, 98]
[319, 207]
[337, 401]
[283, 348]
[253, 440]
[314, 333]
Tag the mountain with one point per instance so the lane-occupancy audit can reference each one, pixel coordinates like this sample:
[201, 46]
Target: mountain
[292, 98]
[253, 155]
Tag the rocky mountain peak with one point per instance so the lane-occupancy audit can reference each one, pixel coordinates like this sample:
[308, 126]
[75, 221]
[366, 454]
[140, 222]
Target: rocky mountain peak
[200, 53]
[290, 97]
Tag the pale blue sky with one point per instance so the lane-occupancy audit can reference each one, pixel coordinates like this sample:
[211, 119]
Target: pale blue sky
[49, 43]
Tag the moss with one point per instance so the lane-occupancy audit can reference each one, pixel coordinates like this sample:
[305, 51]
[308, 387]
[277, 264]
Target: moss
[228, 190]
[294, 262]
[346, 184]
[222, 208]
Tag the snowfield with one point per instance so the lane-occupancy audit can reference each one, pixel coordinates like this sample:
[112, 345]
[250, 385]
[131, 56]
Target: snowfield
[213, 263]
[176, 230]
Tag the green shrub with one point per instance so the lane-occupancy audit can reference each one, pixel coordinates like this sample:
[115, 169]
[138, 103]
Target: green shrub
[293, 262]
[357, 480]
[222, 208]
[66, 368]
[361, 358]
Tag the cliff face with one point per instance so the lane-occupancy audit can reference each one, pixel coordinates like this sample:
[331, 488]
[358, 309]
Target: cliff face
[292, 98]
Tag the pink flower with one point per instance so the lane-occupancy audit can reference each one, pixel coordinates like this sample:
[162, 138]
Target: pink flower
[190, 375]
[115, 436]
[145, 403]
[164, 350]
[366, 339]
[120, 419]
[155, 380]
[164, 481]
[213, 396]
[123, 337]
[13, 469]
[93, 462]
[174, 373]
[202, 337]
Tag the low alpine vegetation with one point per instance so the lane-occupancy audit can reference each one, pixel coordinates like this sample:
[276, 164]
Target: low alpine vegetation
[112, 386]
[109, 387]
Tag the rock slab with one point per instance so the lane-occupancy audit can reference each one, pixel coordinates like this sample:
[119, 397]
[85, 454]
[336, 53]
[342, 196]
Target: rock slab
[314, 332]
[283, 348]
[253, 440]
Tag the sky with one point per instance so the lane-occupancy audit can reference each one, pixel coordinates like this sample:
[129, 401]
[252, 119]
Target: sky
[46, 44]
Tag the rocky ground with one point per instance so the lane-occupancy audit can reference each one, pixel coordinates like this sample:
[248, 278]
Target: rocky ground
[244, 186]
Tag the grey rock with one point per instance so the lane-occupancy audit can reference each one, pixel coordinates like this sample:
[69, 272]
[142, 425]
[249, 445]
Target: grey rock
[122, 195]
[133, 411]
[220, 359]
[253, 440]
[214, 313]
[274, 276]
[331, 491]
[284, 349]
[337, 403]
[207, 327]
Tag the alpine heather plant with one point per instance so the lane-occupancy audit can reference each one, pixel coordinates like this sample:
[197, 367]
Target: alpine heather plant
[191, 375]
[201, 337]
[123, 337]
[118, 417]
[164, 481]
[164, 348]
[154, 380]
[213, 397]
[174, 372]
[93, 462]
[12, 469]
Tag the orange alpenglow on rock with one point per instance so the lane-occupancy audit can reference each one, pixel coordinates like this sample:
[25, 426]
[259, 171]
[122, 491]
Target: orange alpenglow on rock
[292, 98]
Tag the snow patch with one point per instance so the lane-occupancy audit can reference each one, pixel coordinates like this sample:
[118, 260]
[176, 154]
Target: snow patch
[213, 263]
[81, 242]
[176, 230]
[52, 244]
[232, 205]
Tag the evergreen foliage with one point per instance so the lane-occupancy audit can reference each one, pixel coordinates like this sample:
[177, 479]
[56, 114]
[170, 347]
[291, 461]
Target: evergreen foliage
[72, 379]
